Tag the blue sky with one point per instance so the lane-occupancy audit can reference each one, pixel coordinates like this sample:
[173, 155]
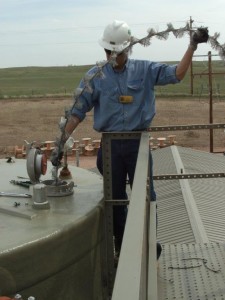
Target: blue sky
[58, 33]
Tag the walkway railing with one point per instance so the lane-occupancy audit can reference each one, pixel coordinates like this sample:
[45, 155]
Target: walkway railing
[136, 275]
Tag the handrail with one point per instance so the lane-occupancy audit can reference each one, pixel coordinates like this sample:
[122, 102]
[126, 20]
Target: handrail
[152, 263]
[186, 127]
[131, 281]
[108, 257]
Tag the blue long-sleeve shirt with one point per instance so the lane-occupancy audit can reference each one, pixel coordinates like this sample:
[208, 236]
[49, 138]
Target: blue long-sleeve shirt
[137, 80]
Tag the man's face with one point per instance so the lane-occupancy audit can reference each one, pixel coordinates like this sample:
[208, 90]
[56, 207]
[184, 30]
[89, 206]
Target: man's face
[120, 59]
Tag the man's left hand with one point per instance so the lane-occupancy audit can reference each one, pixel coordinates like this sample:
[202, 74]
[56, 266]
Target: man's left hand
[201, 35]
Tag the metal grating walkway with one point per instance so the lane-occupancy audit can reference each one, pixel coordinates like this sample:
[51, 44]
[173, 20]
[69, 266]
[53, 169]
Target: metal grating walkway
[184, 206]
[191, 225]
[209, 194]
[173, 221]
[192, 272]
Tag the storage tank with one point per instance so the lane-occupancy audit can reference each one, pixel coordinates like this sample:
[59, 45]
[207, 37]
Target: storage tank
[51, 245]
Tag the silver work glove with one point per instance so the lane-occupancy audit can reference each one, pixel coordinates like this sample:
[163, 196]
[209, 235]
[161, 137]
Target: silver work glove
[58, 152]
[56, 157]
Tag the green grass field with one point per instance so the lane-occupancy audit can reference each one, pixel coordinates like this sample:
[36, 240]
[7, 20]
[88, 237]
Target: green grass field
[62, 81]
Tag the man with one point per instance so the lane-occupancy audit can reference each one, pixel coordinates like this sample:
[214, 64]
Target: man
[124, 101]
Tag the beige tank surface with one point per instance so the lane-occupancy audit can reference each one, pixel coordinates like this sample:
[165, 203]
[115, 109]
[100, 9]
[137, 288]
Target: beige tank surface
[51, 253]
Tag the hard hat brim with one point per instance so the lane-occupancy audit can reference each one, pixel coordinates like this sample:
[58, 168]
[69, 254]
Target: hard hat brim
[116, 48]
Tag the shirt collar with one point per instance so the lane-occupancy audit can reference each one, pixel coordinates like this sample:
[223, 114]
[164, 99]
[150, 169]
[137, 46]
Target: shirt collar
[124, 67]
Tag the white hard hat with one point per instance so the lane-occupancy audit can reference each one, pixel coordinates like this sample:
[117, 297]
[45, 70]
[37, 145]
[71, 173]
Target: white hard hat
[116, 36]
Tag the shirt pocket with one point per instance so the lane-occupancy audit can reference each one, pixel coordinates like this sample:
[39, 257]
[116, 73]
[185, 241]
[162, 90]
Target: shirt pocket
[135, 85]
[135, 88]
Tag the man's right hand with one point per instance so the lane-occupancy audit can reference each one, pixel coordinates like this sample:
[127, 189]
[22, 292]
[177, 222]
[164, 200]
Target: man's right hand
[56, 157]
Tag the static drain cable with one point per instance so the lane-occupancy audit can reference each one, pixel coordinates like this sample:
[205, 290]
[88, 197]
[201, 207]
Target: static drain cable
[204, 261]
